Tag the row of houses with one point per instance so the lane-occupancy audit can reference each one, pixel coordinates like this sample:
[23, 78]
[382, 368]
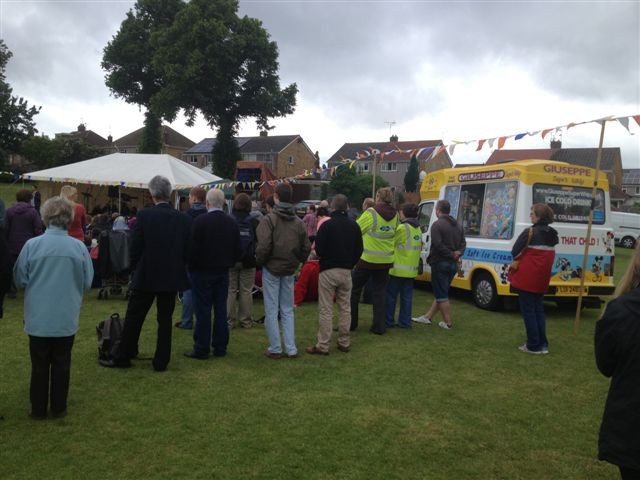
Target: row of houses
[287, 156]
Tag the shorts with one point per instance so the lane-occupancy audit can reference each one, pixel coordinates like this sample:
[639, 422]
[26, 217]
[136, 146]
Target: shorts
[442, 274]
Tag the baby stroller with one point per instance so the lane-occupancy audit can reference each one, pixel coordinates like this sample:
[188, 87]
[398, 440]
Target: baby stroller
[114, 262]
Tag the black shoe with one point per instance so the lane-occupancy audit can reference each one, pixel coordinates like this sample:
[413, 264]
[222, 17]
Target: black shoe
[112, 363]
[376, 332]
[195, 355]
[179, 325]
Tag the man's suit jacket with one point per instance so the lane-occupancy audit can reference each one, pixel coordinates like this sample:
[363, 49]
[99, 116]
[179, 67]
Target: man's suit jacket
[159, 244]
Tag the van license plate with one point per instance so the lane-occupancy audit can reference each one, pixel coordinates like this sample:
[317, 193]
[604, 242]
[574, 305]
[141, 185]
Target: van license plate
[567, 290]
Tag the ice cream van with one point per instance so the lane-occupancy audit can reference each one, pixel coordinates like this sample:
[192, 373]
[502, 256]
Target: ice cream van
[492, 202]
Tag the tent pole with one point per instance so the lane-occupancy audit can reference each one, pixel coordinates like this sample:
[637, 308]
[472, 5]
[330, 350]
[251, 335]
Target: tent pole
[373, 186]
[594, 192]
[119, 201]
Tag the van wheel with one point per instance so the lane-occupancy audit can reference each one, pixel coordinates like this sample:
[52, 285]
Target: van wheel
[628, 242]
[485, 294]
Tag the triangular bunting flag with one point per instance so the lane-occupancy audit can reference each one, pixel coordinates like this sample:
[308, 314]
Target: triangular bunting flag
[501, 141]
[490, 142]
[520, 135]
[452, 147]
[545, 131]
[624, 121]
[480, 144]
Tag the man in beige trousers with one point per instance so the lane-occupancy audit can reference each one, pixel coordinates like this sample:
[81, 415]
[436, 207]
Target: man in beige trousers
[339, 246]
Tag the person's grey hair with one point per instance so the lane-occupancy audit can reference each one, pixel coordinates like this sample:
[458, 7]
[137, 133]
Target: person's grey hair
[215, 198]
[58, 212]
[160, 188]
[340, 202]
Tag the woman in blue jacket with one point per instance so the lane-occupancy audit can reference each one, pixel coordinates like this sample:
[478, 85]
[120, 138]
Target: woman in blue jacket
[55, 270]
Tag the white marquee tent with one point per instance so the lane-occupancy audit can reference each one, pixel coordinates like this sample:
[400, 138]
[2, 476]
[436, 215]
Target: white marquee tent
[127, 172]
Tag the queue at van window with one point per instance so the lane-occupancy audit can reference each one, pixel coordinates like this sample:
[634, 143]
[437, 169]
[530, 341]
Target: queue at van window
[174, 252]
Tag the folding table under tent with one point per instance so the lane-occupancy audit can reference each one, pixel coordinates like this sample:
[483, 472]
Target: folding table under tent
[119, 179]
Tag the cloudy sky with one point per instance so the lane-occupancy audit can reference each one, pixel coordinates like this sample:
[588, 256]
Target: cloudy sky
[451, 70]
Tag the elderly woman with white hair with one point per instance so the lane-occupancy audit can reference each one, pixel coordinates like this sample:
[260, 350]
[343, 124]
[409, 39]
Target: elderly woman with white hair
[55, 270]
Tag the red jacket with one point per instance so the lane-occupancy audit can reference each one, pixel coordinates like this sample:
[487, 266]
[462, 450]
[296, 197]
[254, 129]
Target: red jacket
[306, 288]
[536, 259]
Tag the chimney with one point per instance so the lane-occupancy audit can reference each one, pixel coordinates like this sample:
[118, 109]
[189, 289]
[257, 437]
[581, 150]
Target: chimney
[264, 133]
[393, 138]
[110, 139]
[81, 127]
[556, 144]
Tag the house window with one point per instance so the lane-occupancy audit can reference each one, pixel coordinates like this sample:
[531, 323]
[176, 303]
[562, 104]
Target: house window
[291, 160]
[637, 190]
[249, 157]
[123, 150]
[193, 158]
[389, 167]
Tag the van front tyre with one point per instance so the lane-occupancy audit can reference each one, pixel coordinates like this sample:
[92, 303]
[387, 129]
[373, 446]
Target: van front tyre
[485, 294]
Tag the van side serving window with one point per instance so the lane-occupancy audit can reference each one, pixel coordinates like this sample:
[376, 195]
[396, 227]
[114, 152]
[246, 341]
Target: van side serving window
[570, 204]
[484, 210]
[424, 216]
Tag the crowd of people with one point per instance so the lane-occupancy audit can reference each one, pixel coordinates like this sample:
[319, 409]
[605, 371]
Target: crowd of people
[212, 258]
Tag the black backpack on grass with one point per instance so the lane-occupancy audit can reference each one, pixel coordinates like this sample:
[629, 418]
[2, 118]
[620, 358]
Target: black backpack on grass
[109, 334]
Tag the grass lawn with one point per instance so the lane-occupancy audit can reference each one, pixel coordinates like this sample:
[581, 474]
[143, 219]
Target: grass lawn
[423, 404]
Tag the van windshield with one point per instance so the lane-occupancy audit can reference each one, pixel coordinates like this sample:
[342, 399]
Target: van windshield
[570, 204]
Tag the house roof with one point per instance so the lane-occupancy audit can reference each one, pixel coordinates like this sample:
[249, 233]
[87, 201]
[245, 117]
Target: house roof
[206, 145]
[631, 176]
[616, 193]
[169, 137]
[349, 150]
[259, 144]
[576, 156]
[88, 136]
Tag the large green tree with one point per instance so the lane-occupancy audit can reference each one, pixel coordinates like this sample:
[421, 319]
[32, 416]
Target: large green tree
[45, 153]
[16, 116]
[224, 66]
[356, 187]
[128, 61]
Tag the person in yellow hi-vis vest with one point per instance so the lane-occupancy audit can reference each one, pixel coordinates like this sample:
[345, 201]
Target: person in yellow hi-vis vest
[378, 226]
[408, 243]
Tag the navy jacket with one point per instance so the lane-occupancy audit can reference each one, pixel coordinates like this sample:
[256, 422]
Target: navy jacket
[215, 243]
[617, 348]
[159, 243]
[339, 242]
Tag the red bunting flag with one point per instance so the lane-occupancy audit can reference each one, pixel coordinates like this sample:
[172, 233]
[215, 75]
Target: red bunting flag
[637, 119]
[545, 131]
[480, 144]
[501, 141]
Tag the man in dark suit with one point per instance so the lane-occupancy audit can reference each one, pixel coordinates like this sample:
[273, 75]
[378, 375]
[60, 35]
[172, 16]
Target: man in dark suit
[159, 243]
[214, 248]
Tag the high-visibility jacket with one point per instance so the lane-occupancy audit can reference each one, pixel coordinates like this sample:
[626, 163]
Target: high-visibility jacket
[378, 238]
[408, 240]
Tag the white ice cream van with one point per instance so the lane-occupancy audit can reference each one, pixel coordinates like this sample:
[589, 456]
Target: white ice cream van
[492, 202]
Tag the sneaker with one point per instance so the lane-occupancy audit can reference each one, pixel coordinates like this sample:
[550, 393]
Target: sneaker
[523, 348]
[545, 350]
[422, 319]
[446, 326]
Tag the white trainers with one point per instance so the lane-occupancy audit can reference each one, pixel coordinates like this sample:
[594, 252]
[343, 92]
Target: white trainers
[422, 319]
[446, 326]
[523, 348]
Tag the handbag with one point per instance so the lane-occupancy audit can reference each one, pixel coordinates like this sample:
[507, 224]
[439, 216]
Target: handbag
[515, 264]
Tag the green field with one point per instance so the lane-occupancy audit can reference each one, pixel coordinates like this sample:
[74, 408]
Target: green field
[419, 404]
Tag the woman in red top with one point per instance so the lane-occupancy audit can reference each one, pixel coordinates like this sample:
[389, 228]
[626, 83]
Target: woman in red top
[79, 214]
[535, 248]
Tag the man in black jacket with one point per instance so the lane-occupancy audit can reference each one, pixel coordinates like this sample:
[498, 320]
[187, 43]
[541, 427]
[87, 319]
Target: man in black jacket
[213, 249]
[339, 246]
[159, 242]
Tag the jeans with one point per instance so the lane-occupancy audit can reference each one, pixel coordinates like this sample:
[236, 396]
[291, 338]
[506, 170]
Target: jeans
[50, 372]
[442, 274]
[380, 278]
[210, 290]
[186, 320]
[404, 287]
[534, 322]
[278, 295]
